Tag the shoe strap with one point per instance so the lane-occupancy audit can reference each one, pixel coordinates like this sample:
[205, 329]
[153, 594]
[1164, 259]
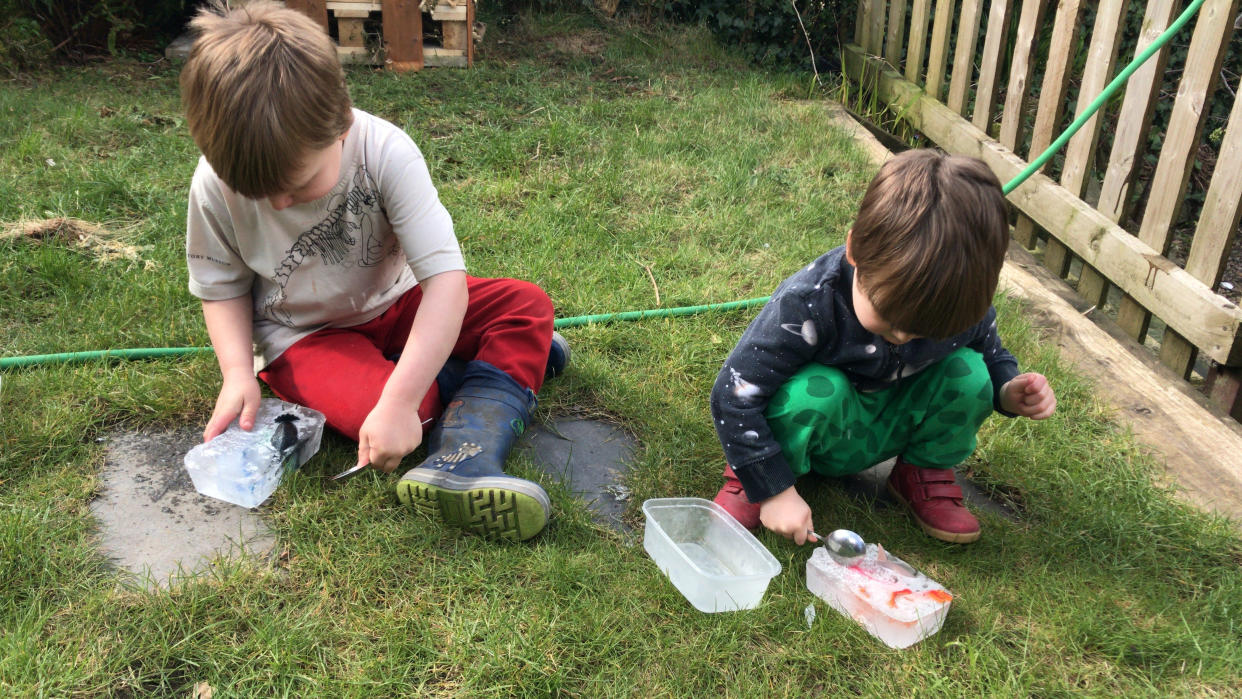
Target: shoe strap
[939, 490]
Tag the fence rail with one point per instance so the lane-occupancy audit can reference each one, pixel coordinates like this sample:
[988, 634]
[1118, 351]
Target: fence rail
[990, 54]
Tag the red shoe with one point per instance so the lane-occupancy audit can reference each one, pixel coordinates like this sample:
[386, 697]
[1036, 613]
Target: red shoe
[936, 501]
[733, 499]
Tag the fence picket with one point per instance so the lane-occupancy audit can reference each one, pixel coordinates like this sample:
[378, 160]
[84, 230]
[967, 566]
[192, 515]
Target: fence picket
[1048, 113]
[1080, 153]
[896, 33]
[875, 32]
[964, 57]
[990, 63]
[1013, 117]
[919, 15]
[939, 56]
[1137, 108]
[1222, 207]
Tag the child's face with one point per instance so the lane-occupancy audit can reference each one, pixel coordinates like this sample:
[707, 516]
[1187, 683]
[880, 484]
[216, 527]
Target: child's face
[317, 176]
[872, 321]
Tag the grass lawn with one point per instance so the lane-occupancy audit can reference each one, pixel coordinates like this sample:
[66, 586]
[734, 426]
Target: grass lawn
[620, 168]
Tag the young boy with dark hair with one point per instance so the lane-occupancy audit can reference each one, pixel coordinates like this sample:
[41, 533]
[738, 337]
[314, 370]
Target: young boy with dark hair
[317, 242]
[886, 346]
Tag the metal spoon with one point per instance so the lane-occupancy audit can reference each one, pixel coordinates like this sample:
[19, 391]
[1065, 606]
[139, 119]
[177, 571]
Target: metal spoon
[845, 546]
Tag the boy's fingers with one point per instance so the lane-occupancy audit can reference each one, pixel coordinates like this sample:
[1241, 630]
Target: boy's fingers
[248, 414]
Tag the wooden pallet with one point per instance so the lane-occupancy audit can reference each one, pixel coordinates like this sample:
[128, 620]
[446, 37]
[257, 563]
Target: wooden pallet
[402, 31]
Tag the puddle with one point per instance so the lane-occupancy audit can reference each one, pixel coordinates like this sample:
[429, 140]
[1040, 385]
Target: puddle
[153, 524]
[591, 458]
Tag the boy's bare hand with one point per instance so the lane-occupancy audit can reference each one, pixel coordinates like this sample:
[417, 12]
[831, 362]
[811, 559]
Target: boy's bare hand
[787, 514]
[239, 396]
[1028, 395]
[389, 433]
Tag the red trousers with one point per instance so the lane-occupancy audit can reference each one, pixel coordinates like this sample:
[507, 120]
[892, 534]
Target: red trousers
[341, 371]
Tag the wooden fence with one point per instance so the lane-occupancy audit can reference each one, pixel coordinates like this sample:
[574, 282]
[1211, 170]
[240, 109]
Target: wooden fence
[962, 72]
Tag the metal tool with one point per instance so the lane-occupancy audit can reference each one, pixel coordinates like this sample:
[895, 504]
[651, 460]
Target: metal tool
[846, 546]
[358, 467]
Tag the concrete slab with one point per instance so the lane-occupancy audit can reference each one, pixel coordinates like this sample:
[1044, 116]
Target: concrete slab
[154, 525]
[591, 458]
[870, 485]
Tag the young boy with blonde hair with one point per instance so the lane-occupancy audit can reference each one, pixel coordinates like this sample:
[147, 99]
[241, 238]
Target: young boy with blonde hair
[886, 346]
[317, 241]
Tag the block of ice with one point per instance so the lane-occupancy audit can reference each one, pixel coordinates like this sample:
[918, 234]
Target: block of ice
[892, 601]
[243, 467]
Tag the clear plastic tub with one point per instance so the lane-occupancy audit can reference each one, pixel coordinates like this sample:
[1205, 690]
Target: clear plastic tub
[711, 559]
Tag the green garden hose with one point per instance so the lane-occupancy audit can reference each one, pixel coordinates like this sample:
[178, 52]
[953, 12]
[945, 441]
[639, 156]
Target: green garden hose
[1117, 82]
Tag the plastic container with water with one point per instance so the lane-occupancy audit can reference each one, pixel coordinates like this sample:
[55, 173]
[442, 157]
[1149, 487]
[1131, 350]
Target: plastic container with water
[711, 559]
[243, 467]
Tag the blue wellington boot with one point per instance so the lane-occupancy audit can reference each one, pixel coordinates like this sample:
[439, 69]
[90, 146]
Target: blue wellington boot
[462, 481]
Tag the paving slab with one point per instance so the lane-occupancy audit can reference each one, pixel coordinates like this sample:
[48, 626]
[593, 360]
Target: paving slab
[154, 525]
[591, 458]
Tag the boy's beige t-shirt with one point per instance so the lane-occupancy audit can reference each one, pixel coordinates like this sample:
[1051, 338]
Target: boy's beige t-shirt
[338, 261]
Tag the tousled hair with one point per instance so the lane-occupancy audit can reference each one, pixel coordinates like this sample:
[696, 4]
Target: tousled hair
[929, 242]
[262, 88]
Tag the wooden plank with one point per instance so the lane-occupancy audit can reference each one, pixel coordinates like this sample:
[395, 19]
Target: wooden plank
[356, 55]
[315, 9]
[367, 6]
[1080, 152]
[1137, 108]
[1211, 322]
[351, 32]
[349, 14]
[449, 13]
[1048, 115]
[403, 34]
[964, 56]
[939, 55]
[1101, 56]
[1222, 207]
[894, 44]
[1198, 443]
[454, 35]
[990, 63]
[861, 22]
[1177, 354]
[875, 32]
[469, 33]
[1224, 389]
[1020, 73]
[1093, 286]
[919, 14]
[1208, 47]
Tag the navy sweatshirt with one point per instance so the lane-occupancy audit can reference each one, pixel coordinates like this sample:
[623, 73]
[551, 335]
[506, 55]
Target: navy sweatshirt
[810, 318]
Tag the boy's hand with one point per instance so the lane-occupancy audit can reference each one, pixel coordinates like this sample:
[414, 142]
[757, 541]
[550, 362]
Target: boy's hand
[1028, 395]
[390, 431]
[239, 396]
[787, 514]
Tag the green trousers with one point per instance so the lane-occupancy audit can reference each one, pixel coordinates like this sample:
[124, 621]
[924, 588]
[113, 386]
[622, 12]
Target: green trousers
[931, 419]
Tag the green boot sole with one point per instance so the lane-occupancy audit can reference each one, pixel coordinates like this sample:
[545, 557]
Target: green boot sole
[494, 507]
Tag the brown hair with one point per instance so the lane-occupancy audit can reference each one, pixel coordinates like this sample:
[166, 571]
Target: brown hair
[929, 242]
[262, 88]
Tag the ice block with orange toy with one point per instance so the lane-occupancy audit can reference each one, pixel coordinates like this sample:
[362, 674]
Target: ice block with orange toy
[889, 598]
